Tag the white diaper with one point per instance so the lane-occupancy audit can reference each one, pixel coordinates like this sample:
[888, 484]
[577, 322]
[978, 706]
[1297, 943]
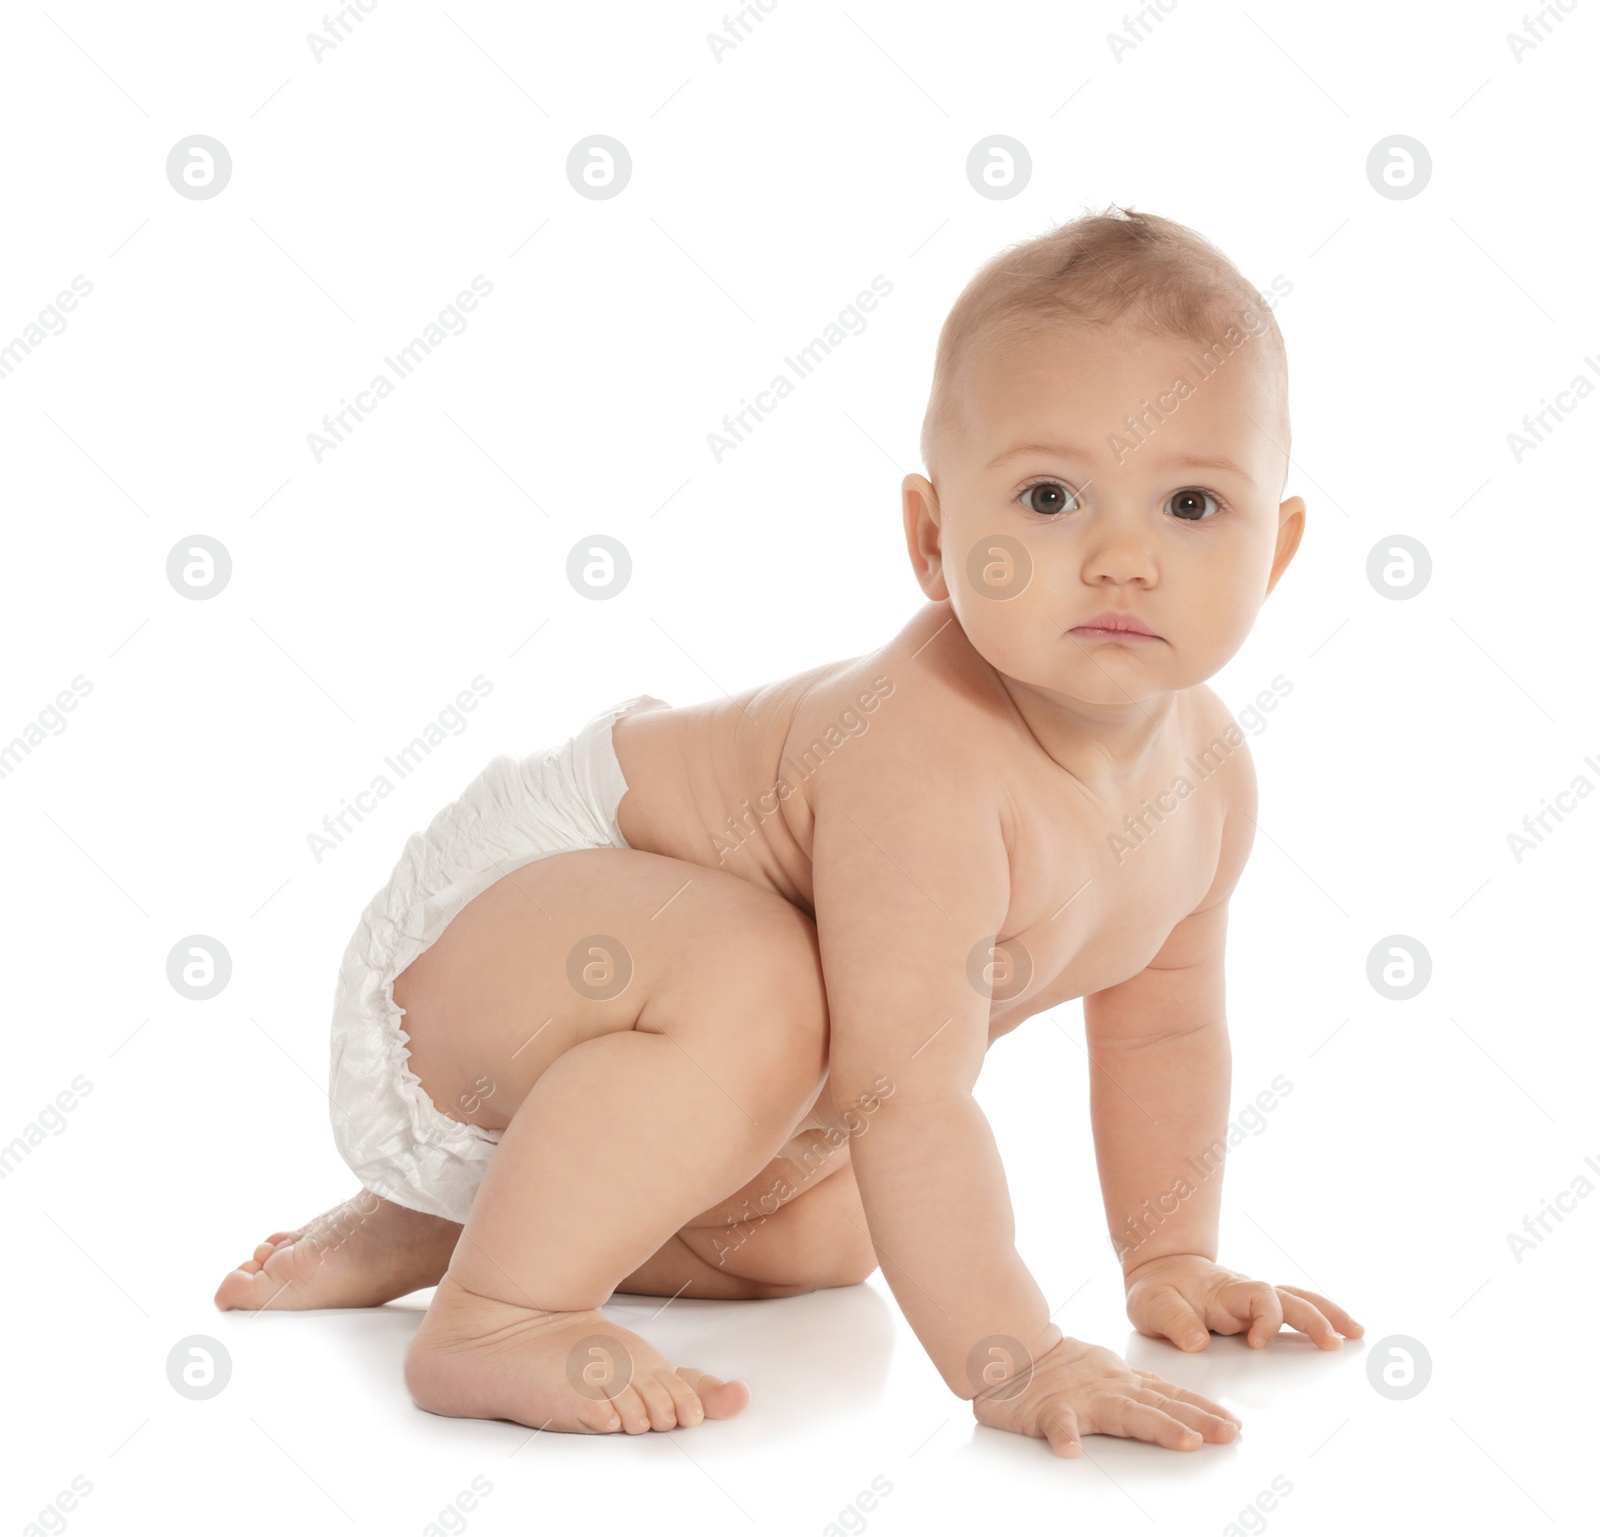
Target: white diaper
[517, 810]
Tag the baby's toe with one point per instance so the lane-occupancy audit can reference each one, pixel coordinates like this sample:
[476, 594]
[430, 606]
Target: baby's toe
[630, 1407]
[721, 1400]
[599, 1415]
[240, 1288]
[657, 1401]
[685, 1401]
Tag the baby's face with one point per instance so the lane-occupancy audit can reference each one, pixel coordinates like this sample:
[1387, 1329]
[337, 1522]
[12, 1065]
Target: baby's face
[1050, 511]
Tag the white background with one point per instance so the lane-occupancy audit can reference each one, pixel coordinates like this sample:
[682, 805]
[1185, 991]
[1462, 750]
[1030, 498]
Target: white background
[768, 189]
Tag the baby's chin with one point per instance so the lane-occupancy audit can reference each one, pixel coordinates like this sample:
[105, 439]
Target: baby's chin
[1100, 674]
[1104, 683]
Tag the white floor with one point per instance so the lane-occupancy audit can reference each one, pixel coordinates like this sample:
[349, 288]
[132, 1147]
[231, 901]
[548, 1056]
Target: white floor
[1416, 1139]
[314, 1433]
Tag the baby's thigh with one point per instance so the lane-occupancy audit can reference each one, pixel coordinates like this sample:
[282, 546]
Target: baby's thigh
[593, 941]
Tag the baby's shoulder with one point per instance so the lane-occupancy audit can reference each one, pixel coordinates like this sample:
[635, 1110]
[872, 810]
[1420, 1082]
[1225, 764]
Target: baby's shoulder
[1219, 759]
[1212, 737]
[911, 721]
[1206, 711]
[923, 682]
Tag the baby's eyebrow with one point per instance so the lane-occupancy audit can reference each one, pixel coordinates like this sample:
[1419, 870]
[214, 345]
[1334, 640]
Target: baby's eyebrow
[1061, 450]
[1204, 462]
[1180, 461]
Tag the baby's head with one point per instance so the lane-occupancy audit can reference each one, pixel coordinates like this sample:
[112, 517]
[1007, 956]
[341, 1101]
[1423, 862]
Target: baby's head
[1108, 431]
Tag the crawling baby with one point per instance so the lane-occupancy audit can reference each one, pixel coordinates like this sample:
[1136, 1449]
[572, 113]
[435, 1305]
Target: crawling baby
[693, 1003]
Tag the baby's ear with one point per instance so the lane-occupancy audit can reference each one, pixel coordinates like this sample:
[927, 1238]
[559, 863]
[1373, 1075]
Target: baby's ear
[1291, 527]
[919, 503]
[925, 489]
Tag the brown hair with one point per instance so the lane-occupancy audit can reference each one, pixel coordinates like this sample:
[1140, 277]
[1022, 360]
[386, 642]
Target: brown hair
[1091, 270]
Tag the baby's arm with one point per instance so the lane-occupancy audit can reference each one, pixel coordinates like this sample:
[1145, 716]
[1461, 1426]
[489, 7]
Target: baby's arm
[911, 877]
[1159, 1072]
[910, 874]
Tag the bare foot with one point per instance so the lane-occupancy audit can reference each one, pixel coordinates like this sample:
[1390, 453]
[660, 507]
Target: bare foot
[361, 1253]
[478, 1358]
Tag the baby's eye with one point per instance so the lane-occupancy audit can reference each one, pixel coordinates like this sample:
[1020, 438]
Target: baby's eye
[1190, 505]
[1049, 497]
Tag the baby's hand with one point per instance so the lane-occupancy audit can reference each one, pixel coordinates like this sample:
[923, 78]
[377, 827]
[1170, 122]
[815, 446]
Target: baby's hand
[1077, 1390]
[1180, 1296]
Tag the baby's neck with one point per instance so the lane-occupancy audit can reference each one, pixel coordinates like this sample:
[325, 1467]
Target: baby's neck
[1098, 743]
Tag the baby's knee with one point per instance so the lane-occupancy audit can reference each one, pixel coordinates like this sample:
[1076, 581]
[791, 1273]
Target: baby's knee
[771, 983]
[784, 961]
[815, 1240]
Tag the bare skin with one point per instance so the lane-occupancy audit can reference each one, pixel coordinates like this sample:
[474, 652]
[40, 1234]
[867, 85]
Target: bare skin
[818, 872]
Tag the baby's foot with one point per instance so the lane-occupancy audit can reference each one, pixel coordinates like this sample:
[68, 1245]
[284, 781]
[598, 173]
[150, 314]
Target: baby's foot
[481, 1359]
[361, 1253]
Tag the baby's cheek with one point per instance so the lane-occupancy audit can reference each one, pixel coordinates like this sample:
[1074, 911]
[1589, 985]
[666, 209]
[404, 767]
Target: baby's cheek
[986, 622]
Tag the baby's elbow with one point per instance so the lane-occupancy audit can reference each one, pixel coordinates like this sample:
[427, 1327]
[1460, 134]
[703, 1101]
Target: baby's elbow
[1122, 1038]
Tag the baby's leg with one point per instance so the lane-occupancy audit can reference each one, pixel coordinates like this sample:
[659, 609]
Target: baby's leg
[359, 1254]
[617, 1145]
[743, 1247]
[367, 1251]
[625, 1117]
[623, 1122]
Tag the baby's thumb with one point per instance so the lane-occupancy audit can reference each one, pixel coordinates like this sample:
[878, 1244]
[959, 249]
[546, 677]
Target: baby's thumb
[1167, 1311]
[1060, 1428]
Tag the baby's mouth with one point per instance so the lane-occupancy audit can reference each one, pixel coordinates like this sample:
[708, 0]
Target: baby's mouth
[1113, 626]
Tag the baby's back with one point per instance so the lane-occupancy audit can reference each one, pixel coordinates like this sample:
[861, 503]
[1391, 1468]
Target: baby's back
[1099, 874]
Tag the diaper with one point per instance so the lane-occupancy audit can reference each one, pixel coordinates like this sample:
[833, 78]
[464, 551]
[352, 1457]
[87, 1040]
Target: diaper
[398, 1143]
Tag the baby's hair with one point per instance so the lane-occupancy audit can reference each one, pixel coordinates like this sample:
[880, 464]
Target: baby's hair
[1098, 269]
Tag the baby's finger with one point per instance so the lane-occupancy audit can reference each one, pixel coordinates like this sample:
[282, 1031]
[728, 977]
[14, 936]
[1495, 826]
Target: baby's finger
[1188, 1395]
[1166, 1311]
[1214, 1427]
[1335, 1314]
[1300, 1314]
[1059, 1427]
[1259, 1303]
[1122, 1416]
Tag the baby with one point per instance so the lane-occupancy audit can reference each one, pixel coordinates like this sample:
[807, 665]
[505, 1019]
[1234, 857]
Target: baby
[694, 1002]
